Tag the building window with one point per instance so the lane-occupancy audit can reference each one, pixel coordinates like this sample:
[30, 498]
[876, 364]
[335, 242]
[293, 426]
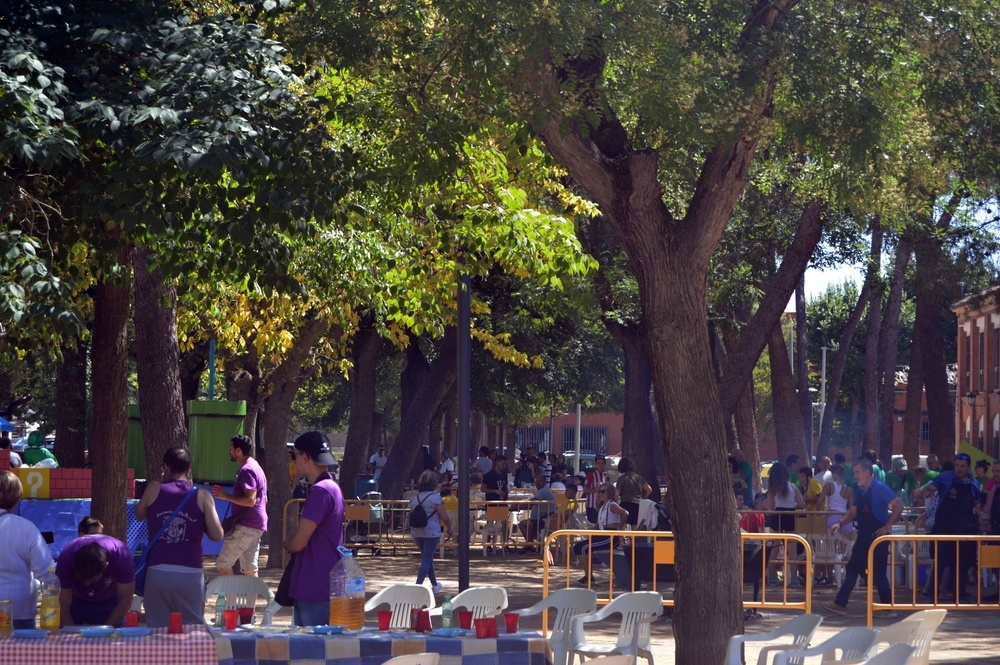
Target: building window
[593, 438]
[968, 363]
[982, 360]
[533, 436]
[925, 431]
[996, 357]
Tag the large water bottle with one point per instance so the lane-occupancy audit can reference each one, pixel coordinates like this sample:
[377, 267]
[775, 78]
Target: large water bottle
[347, 592]
[50, 601]
[446, 613]
[220, 611]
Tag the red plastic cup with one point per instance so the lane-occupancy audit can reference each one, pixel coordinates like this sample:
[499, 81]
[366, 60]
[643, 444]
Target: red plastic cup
[424, 621]
[246, 615]
[491, 625]
[464, 619]
[414, 618]
[510, 619]
[482, 628]
[131, 619]
[231, 617]
[175, 625]
[384, 619]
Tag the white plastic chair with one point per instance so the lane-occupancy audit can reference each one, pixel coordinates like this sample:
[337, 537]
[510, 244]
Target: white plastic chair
[241, 591]
[401, 598]
[897, 654]
[483, 601]
[800, 629]
[568, 603]
[612, 660]
[853, 644]
[638, 609]
[916, 630]
[415, 659]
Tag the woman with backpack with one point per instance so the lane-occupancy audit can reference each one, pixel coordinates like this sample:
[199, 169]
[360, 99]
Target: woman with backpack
[427, 516]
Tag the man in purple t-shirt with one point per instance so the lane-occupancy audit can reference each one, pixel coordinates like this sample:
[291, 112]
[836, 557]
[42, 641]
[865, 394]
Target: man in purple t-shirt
[319, 533]
[97, 576]
[249, 499]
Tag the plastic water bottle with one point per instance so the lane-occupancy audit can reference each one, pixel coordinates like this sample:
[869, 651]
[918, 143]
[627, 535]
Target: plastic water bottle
[446, 613]
[220, 611]
[50, 601]
[347, 592]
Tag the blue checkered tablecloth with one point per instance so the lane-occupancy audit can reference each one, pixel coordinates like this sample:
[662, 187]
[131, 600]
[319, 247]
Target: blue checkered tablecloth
[374, 648]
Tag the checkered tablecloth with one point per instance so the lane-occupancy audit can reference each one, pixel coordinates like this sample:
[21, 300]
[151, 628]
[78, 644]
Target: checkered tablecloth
[196, 646]
[374, 648]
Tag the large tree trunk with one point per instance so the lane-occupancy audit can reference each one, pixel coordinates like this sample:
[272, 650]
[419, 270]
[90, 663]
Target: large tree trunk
[157, 362]
[889, 349]
[640, 434]
[417, 418]
[243, 383]
[914, 410]
[109, 376]
[931, 309]
[284, 382]
[836, 374]
[873, 385]
[746, 430]
[719, 359]
[413, 376]
[193, 365]
[787, 421]
[670, 258]
[366, 346]
[71, 416]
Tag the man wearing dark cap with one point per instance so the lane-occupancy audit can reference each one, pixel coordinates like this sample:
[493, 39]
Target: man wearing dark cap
[319, 533]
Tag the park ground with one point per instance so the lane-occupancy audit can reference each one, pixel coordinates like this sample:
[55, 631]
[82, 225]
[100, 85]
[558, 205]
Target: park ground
[965, 637]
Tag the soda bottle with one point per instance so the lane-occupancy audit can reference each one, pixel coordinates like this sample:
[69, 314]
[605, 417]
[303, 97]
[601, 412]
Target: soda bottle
[50, 601]
[446, 613]
[347, 592]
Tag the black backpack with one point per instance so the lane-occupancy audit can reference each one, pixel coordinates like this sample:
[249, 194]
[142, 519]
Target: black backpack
[418, 517]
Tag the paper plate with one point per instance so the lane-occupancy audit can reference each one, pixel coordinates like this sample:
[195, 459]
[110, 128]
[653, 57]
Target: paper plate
[327, 630]
[135, 631]
[97, 631]
[30, 633]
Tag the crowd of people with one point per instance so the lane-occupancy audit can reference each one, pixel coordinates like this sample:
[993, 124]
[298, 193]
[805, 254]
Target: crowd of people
[863, 499]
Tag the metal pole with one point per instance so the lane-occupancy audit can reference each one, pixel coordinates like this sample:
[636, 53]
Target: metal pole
[464, 423]
[576, 439]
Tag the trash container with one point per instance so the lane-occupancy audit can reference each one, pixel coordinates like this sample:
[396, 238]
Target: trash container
[211, 424]
[363, 485]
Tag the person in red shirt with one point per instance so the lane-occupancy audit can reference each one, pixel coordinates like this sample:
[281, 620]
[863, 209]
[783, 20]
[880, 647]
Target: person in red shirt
[752, 522]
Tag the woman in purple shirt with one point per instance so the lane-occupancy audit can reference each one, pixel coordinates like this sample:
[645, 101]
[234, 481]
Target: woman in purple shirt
[175, 581]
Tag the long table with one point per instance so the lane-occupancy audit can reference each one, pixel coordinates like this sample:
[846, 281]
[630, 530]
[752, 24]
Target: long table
[199, 646]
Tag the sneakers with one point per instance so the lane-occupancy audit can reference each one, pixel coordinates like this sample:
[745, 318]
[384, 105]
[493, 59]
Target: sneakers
[834, 608]
[436, 589]
[584, 581]
[796, 581]
[773, 581]
[886, 614]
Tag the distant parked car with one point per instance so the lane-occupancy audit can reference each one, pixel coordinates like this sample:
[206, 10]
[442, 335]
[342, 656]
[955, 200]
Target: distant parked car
[18, 445]
[587, 463]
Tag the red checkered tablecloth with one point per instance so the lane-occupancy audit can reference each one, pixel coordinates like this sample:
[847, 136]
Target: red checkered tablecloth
[195, 646]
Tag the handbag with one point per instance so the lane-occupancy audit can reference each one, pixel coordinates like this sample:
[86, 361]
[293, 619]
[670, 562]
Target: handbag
[283, 595]
[228, 522]
[140, 564]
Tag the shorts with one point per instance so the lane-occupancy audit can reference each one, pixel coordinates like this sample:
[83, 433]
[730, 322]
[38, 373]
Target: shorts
[243, 545]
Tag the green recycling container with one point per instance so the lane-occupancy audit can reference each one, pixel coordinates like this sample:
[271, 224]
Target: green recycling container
[211, 425]
[136, 451]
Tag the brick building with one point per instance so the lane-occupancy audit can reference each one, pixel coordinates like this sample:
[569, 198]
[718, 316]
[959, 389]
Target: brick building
[978, 402]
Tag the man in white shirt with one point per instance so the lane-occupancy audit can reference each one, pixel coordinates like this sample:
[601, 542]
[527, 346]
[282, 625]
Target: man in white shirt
[823, 473]
[377, 461]
[447, 468]
[483, 462]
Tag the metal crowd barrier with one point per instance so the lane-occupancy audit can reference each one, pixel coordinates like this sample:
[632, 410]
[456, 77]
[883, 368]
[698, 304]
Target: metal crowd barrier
[647, 557]
[911, 554]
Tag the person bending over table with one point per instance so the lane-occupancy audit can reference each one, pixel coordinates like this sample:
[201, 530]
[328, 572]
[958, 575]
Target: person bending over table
[97, 575]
